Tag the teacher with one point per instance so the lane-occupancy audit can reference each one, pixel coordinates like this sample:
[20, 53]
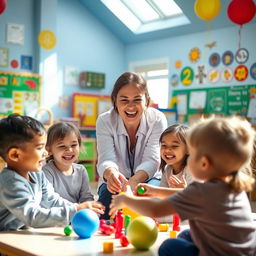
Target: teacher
[128, 139]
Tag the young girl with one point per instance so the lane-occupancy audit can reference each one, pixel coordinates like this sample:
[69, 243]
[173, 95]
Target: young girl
[174, 155]
[69, 179]
[218, 209]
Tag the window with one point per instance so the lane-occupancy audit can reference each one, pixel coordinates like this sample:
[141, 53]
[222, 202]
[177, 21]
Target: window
[156, 75]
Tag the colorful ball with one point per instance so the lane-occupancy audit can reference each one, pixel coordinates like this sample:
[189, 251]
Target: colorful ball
[68, 230]
[141, 190]
[142, 232]
[85, 223]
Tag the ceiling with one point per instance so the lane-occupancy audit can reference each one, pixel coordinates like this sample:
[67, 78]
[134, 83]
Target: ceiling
[100, 11]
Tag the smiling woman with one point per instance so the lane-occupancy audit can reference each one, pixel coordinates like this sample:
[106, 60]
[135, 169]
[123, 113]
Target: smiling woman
[128, 138]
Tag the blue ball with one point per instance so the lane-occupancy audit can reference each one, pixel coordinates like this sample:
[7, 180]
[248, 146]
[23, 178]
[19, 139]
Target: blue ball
[85, 223]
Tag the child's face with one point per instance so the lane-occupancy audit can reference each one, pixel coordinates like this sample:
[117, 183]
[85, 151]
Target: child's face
[130, 103]
[32, 155]
[173, 150]
[65, 151]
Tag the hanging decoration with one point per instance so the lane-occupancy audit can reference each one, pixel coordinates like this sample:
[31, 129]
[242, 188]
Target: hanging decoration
[2, 6]
[241, 11]
[207, 9]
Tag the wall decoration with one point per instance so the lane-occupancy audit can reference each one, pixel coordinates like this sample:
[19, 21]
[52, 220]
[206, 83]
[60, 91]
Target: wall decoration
[26, 62]
[241, 11]
[194, 54]
[2, 6]
[4, 57]
[197, 99]
[200, 74]
[92, 80]
[252, 105]
[47, 39]
[187, 76]
[227, 75]
[14, 64]
[227, 58]
[174, 80]
[182, 102]
[71, 75]
[242, 55]
[241, 73]
[253, 71]
[211, 45]
[178, 64]
[214, 59]
[207, 9]
[15, 34]
[20, 93]
[213, 76]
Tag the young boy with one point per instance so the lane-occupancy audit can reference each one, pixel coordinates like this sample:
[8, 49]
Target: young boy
[26, 197]
[218, 209]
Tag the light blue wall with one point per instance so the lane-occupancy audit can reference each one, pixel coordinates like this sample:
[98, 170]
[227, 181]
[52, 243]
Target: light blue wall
[178, 48]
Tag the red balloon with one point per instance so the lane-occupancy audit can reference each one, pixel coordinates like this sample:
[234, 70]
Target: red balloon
[2, 6]
[241, 11]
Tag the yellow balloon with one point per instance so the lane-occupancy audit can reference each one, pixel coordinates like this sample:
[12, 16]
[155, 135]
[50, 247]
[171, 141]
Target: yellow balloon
[207, 9]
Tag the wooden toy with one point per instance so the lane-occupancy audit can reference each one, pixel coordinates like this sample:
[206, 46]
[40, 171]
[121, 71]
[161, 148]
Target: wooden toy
[176, 222]
[173, 234]
[68, 230]
[108, 247]
[163, 227]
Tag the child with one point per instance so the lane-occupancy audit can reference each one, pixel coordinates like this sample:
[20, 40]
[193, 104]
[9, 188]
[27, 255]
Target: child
[26, 196]
[174, 155]
[218, 209]
[69, 179]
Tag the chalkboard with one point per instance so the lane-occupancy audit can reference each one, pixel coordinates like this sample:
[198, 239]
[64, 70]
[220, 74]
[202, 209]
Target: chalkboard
[19, 93]
[233, 100]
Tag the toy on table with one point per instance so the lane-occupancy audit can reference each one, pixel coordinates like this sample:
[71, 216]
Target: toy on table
[127, 221]
[141, 190]
[124, 241]
[119, 221]
[68, 230]
[173, 234]
[107, 228]
[142, 232]
[176, 222]
[85, 223]
[108, 247]
[163, 227]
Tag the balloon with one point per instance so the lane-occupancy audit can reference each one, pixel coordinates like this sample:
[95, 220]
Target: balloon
[2, 6]
[241, 11]
[207, 9]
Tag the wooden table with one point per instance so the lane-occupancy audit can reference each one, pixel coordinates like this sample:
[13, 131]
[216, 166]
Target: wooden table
[53, 242]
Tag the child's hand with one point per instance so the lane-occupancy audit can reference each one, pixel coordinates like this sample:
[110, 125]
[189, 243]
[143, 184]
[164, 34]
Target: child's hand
[174, 182]
[93, 205]
[150, 190]
[117, 203]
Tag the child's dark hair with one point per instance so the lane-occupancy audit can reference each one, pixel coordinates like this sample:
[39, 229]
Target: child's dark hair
[16, 130]
[181, 132]
[59, 131]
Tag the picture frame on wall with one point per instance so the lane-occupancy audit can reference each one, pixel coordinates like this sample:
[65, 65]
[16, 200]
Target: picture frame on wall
[4, 57]
[15, 33]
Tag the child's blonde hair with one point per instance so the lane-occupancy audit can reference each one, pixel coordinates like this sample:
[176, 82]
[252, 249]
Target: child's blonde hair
[228, 144]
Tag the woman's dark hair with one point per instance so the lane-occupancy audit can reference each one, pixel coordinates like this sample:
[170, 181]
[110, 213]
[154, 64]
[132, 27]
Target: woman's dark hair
[59, 131]
[15, 130]
[181, 131]
[129, 78]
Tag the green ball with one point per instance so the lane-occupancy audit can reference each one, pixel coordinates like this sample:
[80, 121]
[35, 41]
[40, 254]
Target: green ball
[68, 230]
[141, 190]
[142, 232]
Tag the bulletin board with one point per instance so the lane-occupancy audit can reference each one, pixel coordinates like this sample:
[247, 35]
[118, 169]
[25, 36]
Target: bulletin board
[87, 107]
[233, 100]
[19, 93]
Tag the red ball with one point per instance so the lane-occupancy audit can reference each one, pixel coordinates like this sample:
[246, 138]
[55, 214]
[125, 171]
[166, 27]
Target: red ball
[241, 11]
[124, 241]
[2, 6]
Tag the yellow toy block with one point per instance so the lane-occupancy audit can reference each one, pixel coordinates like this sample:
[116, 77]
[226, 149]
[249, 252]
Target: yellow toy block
[163, 227]
[108, 247]
[173, 234]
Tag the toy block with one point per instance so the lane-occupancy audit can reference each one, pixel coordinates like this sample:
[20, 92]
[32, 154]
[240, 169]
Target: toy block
[173, 234]
[163, 227]
[108, 247]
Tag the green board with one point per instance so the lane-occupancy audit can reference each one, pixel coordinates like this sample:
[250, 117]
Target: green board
[233, 100]
[19, 93]
[92, 80]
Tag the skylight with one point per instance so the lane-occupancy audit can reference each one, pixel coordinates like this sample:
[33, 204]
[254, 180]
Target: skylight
[142, 16]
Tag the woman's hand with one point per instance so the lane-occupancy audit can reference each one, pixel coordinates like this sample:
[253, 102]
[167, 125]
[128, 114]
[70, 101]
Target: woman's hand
[175, 182]
[93, 205]
[115, 180]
